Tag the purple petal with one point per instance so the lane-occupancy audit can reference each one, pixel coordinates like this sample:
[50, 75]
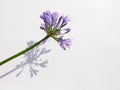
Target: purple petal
[65, 20]
[46, 17]
[67, 30]
[43, 26]
[64, 31]
[54, 18]
[64, 43]
[59, 21]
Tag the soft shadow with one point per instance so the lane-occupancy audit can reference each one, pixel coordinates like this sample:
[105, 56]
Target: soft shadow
[32, 60]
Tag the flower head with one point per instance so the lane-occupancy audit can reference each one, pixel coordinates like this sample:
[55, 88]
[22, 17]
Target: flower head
[53, 26]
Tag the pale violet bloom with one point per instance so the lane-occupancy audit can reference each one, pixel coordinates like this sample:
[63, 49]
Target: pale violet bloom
[53, 26]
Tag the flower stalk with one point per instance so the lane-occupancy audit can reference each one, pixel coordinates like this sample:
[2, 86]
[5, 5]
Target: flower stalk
[23, 51]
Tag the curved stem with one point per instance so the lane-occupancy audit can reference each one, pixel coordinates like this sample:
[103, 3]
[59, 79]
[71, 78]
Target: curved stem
[23, 51]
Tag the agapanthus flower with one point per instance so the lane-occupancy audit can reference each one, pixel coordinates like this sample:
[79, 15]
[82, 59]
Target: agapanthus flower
[53, 26]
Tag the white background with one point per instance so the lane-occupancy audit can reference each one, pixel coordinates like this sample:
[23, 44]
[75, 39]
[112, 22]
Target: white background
[92, 62]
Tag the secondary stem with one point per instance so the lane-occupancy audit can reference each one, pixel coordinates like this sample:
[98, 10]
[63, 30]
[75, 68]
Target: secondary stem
[23, 51]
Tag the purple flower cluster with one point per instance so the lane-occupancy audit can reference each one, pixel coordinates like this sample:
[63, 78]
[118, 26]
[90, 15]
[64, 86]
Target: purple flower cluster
[53, 26]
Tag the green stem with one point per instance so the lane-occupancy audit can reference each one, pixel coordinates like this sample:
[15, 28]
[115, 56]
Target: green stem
[22, 52]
